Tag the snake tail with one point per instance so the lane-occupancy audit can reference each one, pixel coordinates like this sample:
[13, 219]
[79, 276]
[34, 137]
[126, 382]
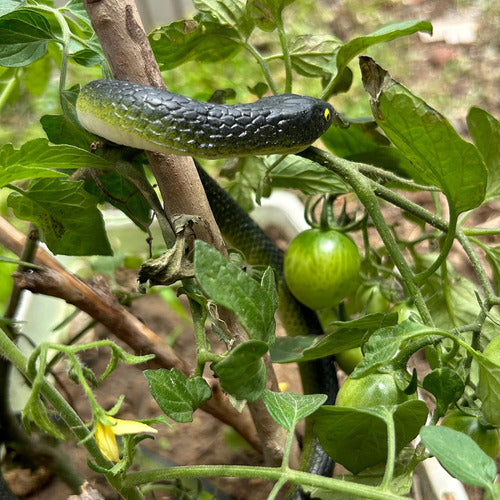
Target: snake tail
[318, 376]
[154, 119]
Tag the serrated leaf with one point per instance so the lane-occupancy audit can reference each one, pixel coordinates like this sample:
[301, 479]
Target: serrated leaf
[229, 286]
[287, 408]
[446, 385]
[177, 395]
[242, 372]
[459, 455]
[357, 437]
[35, 411]
[24, 36]
[384, 343]
[313, 55]
[37, 158]
[66, 215]
[231, 13]
[267, 13]
[295, 172]
[485, 132]
[349, 334]
[438, 155]
[183, 41]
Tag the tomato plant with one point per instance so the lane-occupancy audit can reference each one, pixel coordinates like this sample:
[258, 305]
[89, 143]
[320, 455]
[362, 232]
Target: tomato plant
[321, 267]
[59, 182]
[486, 437]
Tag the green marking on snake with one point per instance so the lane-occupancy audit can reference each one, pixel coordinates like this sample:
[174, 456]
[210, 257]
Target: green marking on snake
[148, 118]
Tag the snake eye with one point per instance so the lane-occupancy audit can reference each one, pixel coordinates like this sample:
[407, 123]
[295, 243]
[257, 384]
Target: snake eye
[326, 114]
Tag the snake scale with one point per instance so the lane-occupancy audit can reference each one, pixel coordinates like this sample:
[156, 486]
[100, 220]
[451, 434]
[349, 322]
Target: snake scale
[157, 120]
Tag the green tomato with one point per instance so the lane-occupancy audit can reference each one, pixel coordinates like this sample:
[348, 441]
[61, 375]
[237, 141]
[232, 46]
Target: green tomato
[321, 267]
[486, 438]
[375, 389]
[404, 311]
[348, 359]
[368, 299]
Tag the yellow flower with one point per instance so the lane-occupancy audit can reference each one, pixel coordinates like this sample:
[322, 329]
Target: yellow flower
[105, 434]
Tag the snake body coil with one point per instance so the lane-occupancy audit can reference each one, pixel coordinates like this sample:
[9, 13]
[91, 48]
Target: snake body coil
[157, 120]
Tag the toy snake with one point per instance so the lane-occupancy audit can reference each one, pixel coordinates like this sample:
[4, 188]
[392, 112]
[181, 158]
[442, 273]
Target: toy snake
[157, 120]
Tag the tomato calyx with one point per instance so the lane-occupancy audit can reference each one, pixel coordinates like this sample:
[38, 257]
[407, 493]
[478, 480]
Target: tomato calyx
[327, 220]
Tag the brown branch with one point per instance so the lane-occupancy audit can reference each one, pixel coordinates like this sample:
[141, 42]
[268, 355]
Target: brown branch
[125, 44]
[56, 281]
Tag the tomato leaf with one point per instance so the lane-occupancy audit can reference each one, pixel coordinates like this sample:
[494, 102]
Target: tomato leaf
[177, 395]
[459, 455]
[122, 194]
[229, 286]
[357, 437]
[288, 408]
[357, 45]
[438, 155]
[314, 55]
[231, 13]
[383, 345]
[24, 36]
[66, 215]
[267, 13]
[242, 372]
[295, 172]
[183, 41]
[36, 158]
[350, 334]
[485, 132]
[446, 385]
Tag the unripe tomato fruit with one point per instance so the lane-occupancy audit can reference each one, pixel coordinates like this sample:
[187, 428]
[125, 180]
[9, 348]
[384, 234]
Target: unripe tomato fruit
[375, 389]
[368, 299]
[321, 267]
[348, 359]
[486, 438]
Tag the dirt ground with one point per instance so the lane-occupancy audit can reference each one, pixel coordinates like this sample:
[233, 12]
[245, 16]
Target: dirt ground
[472, 70]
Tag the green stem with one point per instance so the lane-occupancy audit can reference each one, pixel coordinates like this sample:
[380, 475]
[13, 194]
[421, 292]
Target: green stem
[380, 173]
[9, 88]
[439, 223]
[272, 473]
[286, 55]
[68, 415]
[362, 187]
[445, 250]
[65, 42]
[263, 65]
[481, 231]
[391, 451]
